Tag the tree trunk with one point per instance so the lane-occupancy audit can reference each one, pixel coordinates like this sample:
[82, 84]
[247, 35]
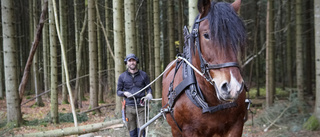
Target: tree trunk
[317, 56]
[165, 56]
[35, 64]
[93, 62]
[256, 46]
[308, 46]
[100, 62]
[170, 24]
[74, 130]
[156, 31]
[299, 51]
[118, 45]
[54, 66]
[2, 79]
[84, 69]
[270, 87]
[79, 40]
[64, 38]
[78, 59]
[45, 52]
[30, 40]
[180, 25]
[289, 47]
[193, 12]
[130, 30]
[151, 44]
[14, 115]
[110, 60]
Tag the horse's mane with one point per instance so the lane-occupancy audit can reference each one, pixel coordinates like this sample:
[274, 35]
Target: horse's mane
[227, 29]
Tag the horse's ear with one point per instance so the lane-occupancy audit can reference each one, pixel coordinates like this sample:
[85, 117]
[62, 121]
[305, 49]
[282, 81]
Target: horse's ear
[236, 5]
[203, 7]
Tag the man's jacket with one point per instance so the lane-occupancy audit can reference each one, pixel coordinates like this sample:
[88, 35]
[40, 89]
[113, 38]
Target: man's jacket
[133, 83]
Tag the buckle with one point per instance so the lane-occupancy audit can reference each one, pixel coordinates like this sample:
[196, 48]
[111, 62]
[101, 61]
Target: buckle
[193, 92]
[248, 101]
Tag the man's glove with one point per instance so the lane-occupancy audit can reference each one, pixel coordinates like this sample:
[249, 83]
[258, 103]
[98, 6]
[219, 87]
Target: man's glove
[127, 94]
[149, 96]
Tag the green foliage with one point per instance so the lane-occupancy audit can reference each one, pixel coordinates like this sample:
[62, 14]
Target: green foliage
[28, 97]
[40, 104]
[34, 106]
[84, 99]
[312, 124]
[279, 92]
[37, 105]
[65, 102]
[5, 127]
[68, 117]
[29, 92]
[3, 122]
[36, 122]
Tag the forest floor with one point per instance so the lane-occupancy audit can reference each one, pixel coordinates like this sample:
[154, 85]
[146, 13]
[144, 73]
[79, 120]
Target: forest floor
[160, 128]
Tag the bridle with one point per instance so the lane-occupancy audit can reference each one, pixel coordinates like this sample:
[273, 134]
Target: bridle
[204, 65]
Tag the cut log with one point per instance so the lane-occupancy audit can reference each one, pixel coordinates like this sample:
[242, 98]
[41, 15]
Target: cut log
[74, 130]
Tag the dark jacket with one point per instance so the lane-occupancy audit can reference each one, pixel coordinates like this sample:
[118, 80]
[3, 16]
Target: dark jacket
[133, 83]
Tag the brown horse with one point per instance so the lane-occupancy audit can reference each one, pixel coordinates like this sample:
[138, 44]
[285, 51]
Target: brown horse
[217, 36]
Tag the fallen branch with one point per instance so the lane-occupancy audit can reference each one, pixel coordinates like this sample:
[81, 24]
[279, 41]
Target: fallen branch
[104, 32]
[33, 50]
[97, 108]
[74, 130]
[266, 129]
[254, 56]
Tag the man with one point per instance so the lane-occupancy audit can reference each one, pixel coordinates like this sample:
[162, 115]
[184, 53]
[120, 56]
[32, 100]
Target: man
[130, 82]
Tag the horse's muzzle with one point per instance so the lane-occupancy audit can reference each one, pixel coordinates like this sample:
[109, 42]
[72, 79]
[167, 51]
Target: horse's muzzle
[228, 93]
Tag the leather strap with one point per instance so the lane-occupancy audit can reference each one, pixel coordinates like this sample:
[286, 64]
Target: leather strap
[223, 65]
[219, 107]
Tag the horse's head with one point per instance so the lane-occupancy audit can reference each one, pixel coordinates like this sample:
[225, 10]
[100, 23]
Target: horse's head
[221, 35]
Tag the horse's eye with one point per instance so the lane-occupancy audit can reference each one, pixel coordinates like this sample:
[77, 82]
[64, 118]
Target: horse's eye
[206, 35]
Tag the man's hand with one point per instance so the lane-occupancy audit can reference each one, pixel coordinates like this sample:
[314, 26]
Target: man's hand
[127, 94]
[149, 96]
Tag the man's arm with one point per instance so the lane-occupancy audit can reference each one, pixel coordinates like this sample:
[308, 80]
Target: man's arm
[147, 82]
[149, 90]
[120, 87]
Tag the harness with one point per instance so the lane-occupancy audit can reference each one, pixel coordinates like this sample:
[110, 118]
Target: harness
[189, 84]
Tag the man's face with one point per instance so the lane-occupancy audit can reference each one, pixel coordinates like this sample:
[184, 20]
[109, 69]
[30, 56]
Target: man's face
[132, 64]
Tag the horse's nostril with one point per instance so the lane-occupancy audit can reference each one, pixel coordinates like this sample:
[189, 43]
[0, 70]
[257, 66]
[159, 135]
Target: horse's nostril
[224, 87]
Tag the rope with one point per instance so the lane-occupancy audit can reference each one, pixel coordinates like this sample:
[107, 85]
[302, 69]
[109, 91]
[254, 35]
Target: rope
[194, 68]
[154, 79]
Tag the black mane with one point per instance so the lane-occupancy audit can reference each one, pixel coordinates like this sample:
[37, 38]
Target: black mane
[226, 27]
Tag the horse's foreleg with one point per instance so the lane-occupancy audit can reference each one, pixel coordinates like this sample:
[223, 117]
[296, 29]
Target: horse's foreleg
[175, 132]
[236, 129]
